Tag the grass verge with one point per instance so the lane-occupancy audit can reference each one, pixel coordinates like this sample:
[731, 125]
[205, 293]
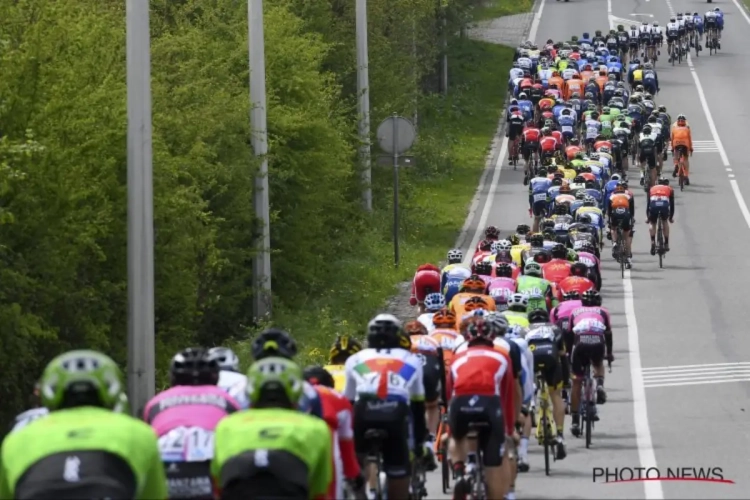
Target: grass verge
[436, 195]
[492, 9]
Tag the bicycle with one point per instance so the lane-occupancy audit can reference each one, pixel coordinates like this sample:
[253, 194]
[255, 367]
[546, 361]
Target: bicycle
[514, 152]
[619, 249]
[475, 467]
[712, 41]
[374, 439]
[546, 429]
[441, 440]
[418, 482]
[587, 409]
[660, 241]
[681, 174]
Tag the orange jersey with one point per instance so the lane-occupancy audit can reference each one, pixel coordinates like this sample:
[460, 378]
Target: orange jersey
[660, 191]
[586, 75]
[556, 81]
[601, 81]
[620, 200]
[556, 270]
[571, 151]
[681, 136]
[458, 305]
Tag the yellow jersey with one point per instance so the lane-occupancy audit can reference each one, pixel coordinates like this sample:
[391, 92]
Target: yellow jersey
[339, 377]
[516, 251]
[638, 75]
[569, 173]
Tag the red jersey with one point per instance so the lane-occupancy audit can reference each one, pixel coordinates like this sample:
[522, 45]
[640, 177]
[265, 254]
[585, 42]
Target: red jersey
[556, 270]
[576, 284]
[337, 413]
[479, 256]
[486, 371]
[557, 135]
[599, 144]
[548, 143]
[575, 56]
[426, 280]
[571, 151]
[547, 115]
[531, 134]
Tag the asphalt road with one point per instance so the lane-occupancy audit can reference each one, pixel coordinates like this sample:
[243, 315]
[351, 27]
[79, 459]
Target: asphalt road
[665, 408]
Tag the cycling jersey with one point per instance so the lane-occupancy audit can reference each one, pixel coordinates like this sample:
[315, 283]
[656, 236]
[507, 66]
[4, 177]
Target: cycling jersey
[560, 315]
[501, 289]
[538, 291]
[426, 280]
[27, 417]
[339, 376]
[681, 136]
[85, 452]
[270, 452]
[394, 374]
[556, 270]
[236, 385]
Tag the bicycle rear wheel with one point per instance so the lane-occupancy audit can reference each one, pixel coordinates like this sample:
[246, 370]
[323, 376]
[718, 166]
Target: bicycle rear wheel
[660, 242]
[589, 419]
[621, 250]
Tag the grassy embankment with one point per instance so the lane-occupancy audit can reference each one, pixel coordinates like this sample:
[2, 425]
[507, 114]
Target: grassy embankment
[436, 202]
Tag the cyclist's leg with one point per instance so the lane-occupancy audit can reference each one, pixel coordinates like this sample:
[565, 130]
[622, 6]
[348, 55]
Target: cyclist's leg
[597, 364]
[578, 361]
[665, 228]
[628, 233]
[497, 470]
[652, 230]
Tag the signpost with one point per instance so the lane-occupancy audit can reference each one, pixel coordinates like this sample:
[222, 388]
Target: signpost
[396, 136]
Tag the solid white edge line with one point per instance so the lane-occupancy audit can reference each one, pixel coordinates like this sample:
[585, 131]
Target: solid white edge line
[708, 366]
[646, 455]
[697, 382]
[740, 201]
[489, 201]
[741, 8]
[707, 112]
[535, 23]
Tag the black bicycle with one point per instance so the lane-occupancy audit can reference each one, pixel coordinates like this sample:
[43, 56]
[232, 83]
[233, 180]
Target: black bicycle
[660, 241]
[619, 249]
[375, 439]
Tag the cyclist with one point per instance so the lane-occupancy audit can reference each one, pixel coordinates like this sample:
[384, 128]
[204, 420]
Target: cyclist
[538, 289]
[184, 418]
[426, 348]
[453, 274]
[550, 360]
[621, 209]
[589, 331]
[502, 285]
[492, 404]
[660, 205]
[343, 347]
[682, 141]
[432, 304]
[337, 413]
[647, 154]
[230, 379]
[85, 448]
[578, 281]
[385, 381]
[273, 450]
[471, 287]
[516, 315]
[560, 315]
[539, 198]
[426, 280]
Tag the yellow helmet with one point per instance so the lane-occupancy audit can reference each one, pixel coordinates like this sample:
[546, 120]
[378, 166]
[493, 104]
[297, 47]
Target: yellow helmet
[344, 346]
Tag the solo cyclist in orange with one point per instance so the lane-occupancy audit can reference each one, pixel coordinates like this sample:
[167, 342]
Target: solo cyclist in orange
[682, 140]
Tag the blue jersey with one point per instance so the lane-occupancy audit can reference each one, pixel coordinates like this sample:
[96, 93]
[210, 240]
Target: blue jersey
[539, 185]
[527, 107]
[553, 192]
[585, 40]
[615, 67]
[609, 188]
[557, 109]
[594, 193]
[565, 121]
[575, 206]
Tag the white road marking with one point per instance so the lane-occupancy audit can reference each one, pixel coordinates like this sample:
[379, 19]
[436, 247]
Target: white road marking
[745, 378]
[536, 21]
[695, 367]
[489, 200]
[740, 201]
[742, 10]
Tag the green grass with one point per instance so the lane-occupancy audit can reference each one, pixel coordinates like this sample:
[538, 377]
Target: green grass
[492, 9]
[436, 195]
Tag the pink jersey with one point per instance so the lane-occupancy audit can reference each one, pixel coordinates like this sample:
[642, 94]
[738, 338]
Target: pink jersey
[589, 259]
[588, 321]
[486, 279]
[189, 406]
[561, 314]
[501, 289]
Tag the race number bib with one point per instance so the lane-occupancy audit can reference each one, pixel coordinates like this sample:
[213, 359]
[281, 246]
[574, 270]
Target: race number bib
[590, 339]
[533, 293]
[501, 293]
[540, 197]
[589, 326]
[187, 444]
[587, 260]
[567, 129]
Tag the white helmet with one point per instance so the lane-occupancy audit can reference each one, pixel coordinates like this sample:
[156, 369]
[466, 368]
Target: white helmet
[532, 269]
[518, 300]
[504, 245]
[225, 358]
[434, 302]
[455, 254]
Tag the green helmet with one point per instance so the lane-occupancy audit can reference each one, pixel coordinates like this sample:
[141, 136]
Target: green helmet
[274, 379]
[82, 378]
[532, 269]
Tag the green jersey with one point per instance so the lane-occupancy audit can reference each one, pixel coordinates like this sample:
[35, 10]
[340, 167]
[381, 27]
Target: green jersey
[606, 121]
[538, 290]
[577, 164]
[615, 112]
[84, 452]
[296, 448]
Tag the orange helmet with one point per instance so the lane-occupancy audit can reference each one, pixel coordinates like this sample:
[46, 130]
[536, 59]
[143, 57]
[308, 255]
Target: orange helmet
[415, 328]
[444, 318]
[475, 303]
[473, 284]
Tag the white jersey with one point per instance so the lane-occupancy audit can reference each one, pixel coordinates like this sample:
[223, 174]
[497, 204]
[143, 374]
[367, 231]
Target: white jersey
[392, 374]
[524, 62]
[426, 320]
[642, 137]
[29, 416]
[633, 35]
[656, 30]
[592, 129]
[516, 73]
[681, 23]
[545, 74]
[236, 386]
[673, 28]
[656, 128]
[644, 29]
[453, 272]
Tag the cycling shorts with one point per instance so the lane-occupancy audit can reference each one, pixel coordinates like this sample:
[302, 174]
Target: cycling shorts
[658, 211]
[529, 148]
[682, 149]
[649, 158]
[514, 131]
[621, 216]
[393, 417]
[282, 475]
[547, 362]
[189, 480]
[431, 377]
[486, 411]
[539, 206]
[587, 349]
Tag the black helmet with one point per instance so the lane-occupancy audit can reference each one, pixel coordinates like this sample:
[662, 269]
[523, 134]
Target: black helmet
[317, 375]
[561, 209]
[483, 268]
[591, 298]
[536, 240]
[385, 331]
[579, 269]
[542, 257]
[559, 251]
[193, 366]
[539, 316]
[273, 342]
[504, 270]
[523, 229]
[343, 347]
[573, 295]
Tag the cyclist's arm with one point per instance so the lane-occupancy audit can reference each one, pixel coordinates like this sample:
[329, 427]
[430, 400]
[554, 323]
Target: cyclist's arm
[322, 472]
[416, 392]
[346, 442]
[6, 491]
[671, 204]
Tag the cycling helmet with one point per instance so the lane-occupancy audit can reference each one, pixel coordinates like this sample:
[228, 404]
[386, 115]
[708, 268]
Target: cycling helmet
[476, 328]
[655, 24]
[82, 378]
[664, 181]
[574, 141]
[273, 342]
[587, 247]
[542, 257]
[497, 322]
[588, 201]
[591, 298]
[536, 240]
[444, 318]
[504, 246]
[491, 232]
[579, 269]
[605, 149]
[476, 302]
[503, 270]
[571, 296]
[620, 187]
[615, 177]
[193, 366]
[485, 245]
[521, 96]
[435, 301]
[647, 129]
[317, 375]
[483, 268]
[559, 251]
[274, 381]
[343, 347]
[225, 358]
[514, 239]
[620, 27]
[473, 284]
[652, 118]
[681, 118]
[518, 301]
[580, 195]
[562, 208]
[455, 256]
[532, 269]
[415, 328]
[538, 316]
[549, 234]
[523, 229]
[385, 331]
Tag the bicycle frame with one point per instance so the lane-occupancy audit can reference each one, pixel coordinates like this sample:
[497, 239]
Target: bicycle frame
[588, 404]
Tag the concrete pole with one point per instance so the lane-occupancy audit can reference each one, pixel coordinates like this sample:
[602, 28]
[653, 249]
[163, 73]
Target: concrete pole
[363, 102]
[261, 200]
[141, 356]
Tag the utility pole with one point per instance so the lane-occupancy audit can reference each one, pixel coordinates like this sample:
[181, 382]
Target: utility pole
[363, 102]
[141, 356]
[261, 200]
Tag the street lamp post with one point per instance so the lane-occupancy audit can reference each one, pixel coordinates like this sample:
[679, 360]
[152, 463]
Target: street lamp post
[141, 356]
[363, 101]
